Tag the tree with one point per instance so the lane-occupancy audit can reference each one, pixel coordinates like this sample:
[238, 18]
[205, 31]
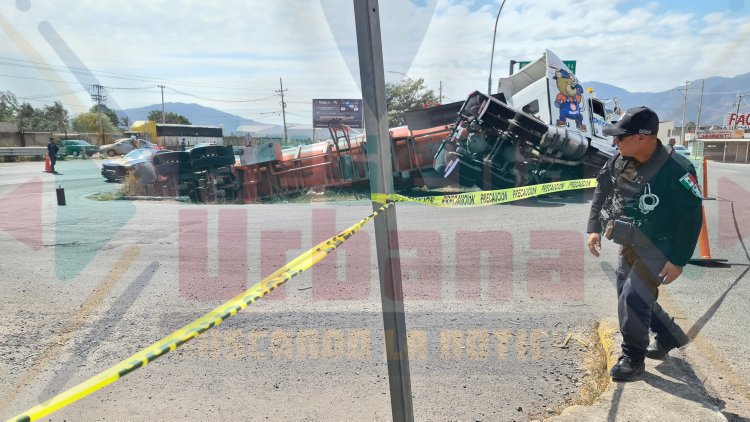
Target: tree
[407, 95]
[89, 123]
[125, 122]
[8, 106]
[27, 117]
[57, 116]
[111, 115]
[169, 117]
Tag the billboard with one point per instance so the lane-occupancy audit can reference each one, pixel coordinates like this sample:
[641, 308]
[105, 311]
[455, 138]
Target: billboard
[327, 112]
[738, 121]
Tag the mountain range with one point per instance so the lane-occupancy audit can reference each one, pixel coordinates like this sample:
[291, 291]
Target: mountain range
[719, 98]
[196, 113]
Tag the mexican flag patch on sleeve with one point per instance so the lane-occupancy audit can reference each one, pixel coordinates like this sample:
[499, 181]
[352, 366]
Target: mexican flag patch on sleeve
[689, 182]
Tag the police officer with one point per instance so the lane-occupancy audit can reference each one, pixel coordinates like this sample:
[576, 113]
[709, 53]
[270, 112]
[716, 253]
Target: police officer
[648, 201]
[52, 150]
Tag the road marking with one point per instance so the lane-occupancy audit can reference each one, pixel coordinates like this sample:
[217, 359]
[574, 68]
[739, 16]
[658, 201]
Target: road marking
[73, 325]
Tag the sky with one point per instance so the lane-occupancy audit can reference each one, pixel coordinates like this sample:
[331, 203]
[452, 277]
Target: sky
[232, 55]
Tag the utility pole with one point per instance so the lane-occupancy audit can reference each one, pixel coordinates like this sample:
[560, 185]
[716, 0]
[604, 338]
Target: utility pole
[700, 107]
[163, 118]
[283, 108]
[684, 109]
[97, 95]
[440, 98]
[737, 112]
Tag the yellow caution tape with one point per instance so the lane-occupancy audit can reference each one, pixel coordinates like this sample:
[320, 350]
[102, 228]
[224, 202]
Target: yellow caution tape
[192, 330]
[490, 197]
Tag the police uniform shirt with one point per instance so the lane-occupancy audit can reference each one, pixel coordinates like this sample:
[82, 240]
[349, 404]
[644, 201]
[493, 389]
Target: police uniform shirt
[674, 224]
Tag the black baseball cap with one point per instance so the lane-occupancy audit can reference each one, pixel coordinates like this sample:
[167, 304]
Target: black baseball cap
[637, 120]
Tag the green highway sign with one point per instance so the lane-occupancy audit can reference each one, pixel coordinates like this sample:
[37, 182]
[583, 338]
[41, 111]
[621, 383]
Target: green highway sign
[570, 63]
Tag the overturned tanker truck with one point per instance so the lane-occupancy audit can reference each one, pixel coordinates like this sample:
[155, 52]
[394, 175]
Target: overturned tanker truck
[541, 126]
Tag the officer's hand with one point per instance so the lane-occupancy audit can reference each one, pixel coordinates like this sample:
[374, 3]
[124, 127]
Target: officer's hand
[594, 243]
[670, 272]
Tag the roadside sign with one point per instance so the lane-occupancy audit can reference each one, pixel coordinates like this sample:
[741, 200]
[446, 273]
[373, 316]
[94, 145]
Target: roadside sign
[333, 111]
[570, 63]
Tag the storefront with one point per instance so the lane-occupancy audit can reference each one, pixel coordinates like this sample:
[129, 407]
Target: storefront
[724, 146]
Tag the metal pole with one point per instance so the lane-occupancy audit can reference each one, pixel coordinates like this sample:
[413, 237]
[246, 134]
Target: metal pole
[700, 107]
[684, 109]
[492, 56]
[510, 69]
[367, 21]
[737, 113]
[283, 110]
[163, 117]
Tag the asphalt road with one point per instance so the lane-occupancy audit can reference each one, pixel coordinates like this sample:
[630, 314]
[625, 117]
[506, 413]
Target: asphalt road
[490, 295]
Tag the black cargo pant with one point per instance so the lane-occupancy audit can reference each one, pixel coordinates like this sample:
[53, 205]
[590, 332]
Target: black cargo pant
[638, 284]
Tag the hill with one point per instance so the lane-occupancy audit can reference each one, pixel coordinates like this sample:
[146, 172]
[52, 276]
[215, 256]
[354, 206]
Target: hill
[196, 113]
[719, 99]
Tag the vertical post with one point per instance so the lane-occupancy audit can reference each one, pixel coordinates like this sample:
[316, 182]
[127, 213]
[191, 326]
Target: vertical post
[283, 110]
[700, 107]
[684, 109]
[510, 68]
[367, 21]
[492, 56]
[737, 112]
[163, 117]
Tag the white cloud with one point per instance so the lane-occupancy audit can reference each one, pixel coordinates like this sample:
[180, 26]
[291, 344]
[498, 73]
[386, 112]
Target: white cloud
[237, 50]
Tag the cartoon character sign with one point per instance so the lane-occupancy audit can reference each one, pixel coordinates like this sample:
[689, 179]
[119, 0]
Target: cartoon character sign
[568, 100]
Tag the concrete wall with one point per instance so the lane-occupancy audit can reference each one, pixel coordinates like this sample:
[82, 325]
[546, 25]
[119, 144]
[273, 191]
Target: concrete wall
[32, 139]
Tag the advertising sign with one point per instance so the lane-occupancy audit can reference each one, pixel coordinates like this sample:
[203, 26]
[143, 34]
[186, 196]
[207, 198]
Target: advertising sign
[327, 112]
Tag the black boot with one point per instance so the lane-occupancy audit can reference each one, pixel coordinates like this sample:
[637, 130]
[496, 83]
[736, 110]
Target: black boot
[626, 370]
[656, 351]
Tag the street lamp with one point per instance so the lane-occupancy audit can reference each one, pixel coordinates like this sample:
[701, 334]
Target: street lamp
[399, 73]
[492, 56]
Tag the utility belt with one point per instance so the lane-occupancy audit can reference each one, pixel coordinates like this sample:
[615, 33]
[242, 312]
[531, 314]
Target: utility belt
[621, 230]
[625, 231]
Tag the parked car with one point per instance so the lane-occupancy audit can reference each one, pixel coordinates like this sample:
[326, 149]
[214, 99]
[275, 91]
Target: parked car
[124, 146]
[75, 147]
[115, 170]
[681, 150]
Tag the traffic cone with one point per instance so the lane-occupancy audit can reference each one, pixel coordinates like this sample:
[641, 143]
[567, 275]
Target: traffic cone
[705, 248]
[47, 165]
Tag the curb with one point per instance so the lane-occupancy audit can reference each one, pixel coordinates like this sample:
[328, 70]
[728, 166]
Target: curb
[607, 330]
[668, 391]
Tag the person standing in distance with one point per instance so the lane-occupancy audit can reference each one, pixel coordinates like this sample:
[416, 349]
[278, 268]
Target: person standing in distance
[648, 201]
[52, 150]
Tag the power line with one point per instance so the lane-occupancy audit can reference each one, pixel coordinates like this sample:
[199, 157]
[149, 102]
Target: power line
[59, 68]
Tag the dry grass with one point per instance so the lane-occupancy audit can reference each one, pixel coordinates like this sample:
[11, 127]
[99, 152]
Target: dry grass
[131, 186]
[597, 378]
[319, 195]
[593, 383]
